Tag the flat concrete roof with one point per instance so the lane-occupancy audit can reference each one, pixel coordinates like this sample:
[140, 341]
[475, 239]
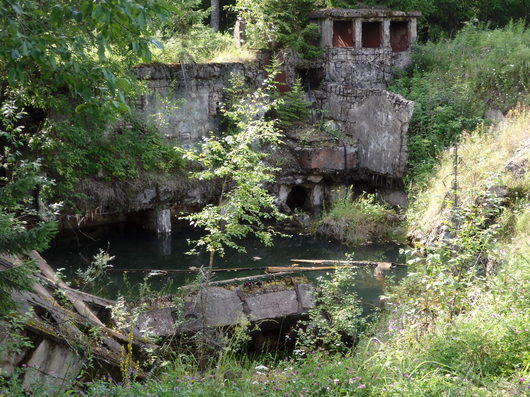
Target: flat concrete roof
[366, 12]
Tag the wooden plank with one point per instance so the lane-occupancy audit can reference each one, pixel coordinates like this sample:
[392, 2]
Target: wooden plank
[72, 296]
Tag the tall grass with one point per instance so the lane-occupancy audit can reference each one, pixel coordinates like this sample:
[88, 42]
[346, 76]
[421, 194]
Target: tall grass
[455, 81]
[201, 45]
[488, 158]
[359, 220]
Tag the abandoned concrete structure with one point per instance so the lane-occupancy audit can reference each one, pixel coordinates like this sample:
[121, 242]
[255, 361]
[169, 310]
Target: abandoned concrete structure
[363, 28]
[367, 145]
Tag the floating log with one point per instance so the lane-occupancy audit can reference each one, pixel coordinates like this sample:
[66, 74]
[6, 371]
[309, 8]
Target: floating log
[240, 280]
[190, 270]
[381, 265]
[291, 269]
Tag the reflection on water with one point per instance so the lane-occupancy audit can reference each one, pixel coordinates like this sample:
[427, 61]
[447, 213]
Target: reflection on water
[133, 249]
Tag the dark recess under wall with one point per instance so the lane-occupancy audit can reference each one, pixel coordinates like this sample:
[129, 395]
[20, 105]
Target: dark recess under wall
[297, 198]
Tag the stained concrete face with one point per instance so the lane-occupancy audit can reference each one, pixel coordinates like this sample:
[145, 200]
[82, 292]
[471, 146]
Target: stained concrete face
[183, 100]
[219, 307]
[378, 120]
[52, 368]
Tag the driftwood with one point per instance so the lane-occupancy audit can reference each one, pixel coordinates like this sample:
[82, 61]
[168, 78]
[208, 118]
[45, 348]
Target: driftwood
[241, 280]
[332, 262]
[326, 264]
[189, 270]
[283, 269]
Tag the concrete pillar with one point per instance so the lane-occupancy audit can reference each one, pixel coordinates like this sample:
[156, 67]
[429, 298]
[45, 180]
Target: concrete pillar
[159, 221]
[386, 34]
[164, 244]
[326, 38]
[317, 197]
[358, 26]
[413, 31]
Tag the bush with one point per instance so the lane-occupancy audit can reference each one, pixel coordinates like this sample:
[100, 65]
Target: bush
[360, 220]
[73, 151]
[454, 82]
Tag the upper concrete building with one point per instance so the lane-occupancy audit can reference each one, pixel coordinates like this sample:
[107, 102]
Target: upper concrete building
[363, 28]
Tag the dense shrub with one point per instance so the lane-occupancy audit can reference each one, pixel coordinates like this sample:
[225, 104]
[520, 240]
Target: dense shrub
[454, 82]
[359, 220]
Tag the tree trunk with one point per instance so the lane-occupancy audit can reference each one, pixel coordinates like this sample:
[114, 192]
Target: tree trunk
[214, 20]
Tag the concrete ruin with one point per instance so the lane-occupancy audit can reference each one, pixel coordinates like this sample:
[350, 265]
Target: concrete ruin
[70, 330]
[275, 304]
[367, 146]
[356, 135]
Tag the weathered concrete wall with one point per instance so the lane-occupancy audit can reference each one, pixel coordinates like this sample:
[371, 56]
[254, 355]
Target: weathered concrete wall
[362, 68]
[184, 99]
[377, 119]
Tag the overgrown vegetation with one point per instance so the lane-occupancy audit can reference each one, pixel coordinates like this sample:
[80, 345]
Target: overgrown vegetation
[276, 24]
[187, 38]
[455, 81]
[459, 324]
[360, 220]
[244, 205]
[73, 150]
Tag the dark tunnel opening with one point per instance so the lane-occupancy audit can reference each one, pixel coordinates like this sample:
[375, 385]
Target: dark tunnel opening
[297, 198]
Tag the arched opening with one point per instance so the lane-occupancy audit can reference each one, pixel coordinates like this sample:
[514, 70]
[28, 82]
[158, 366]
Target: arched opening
[297, 198]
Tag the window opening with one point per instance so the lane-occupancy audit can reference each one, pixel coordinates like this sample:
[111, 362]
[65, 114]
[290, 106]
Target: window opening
[372, 34]
[343, 34]
[399, 36]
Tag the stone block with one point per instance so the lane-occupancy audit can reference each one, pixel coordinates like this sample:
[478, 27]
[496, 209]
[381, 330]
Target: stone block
[159, 322]
[213, 307]
[329, 158]
[272, 305]
[306, 297]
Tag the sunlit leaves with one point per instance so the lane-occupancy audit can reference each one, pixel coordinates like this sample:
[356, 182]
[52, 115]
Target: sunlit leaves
[82, 46]
[237, 160]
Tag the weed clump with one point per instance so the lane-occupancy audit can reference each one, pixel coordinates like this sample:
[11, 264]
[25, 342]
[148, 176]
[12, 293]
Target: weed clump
[360, 220]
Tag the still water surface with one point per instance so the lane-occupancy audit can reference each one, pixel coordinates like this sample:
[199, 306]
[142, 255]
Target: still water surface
[133, 248]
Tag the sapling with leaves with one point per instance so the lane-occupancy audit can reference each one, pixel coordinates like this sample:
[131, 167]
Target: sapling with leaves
[244, 205]
[23, 225]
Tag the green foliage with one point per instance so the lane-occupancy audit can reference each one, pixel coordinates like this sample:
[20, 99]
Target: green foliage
[444, 271]
[359, 220]
[186, 38]
[293, 107]
[244, 204]
[73, 150]
[453, 82]
[72, 75]
[336, 320]
[96, 272]
[277, 24]
[23, 225]
[83, 47]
